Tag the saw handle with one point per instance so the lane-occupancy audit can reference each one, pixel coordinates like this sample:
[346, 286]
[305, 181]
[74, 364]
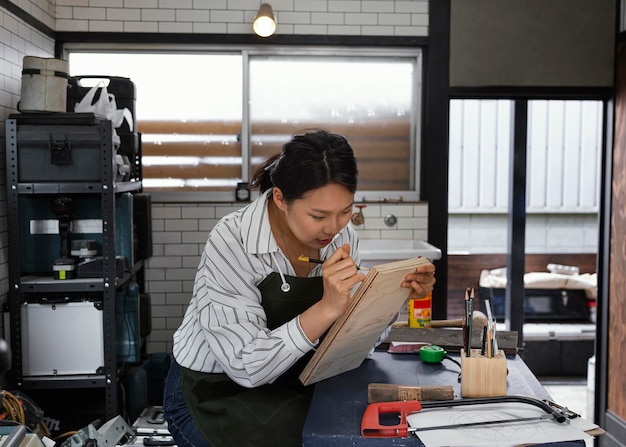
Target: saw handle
[371, 426]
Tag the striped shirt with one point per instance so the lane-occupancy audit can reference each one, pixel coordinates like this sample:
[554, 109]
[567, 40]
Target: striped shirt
[225, 328]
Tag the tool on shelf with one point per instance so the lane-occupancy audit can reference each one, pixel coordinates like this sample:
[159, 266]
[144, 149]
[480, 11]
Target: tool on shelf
[114, 432]
[65, 266]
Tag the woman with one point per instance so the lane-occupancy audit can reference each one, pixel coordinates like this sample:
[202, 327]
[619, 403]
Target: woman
[257, 312]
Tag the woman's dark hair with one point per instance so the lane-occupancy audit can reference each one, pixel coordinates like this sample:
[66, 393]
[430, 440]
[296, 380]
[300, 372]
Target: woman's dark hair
[309, 161]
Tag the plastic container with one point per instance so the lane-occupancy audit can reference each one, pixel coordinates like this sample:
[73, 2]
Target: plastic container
[420, 311]
[127, 324]
[44, 85]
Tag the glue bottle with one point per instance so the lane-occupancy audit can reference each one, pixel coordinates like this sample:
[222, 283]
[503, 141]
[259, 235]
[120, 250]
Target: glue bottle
[420, 311]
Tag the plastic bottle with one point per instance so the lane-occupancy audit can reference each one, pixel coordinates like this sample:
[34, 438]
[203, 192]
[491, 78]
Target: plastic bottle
[420, 311]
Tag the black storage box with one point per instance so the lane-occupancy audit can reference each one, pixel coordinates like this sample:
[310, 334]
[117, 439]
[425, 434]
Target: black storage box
[142, 222]
[60, 147]
[558, 349]
[130, 143]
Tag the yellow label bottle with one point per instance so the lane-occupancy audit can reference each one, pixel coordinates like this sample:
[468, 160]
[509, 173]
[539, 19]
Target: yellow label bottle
[420, 311]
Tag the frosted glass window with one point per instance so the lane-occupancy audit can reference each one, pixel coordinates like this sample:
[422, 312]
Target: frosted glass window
[371, 102]
[208, 118]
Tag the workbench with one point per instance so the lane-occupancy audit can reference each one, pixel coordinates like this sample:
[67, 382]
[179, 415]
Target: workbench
[334, 418]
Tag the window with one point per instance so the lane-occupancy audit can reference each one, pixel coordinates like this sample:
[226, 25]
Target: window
[208, 119]
[563, 156]
[369, 101]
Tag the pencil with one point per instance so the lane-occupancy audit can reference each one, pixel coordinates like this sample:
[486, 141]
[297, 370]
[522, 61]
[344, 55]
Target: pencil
[470, 322]
[307, 259]
[466, 342]
[319, 261]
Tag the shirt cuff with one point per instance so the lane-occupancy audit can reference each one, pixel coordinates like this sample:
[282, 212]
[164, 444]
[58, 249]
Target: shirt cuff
[295, 339]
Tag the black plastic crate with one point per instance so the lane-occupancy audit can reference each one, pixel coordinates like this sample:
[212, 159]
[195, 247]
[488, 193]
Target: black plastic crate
[122, 88]
[558, 357]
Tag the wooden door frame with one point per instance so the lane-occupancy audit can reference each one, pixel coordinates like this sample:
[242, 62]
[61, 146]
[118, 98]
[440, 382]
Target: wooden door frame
[610, 396]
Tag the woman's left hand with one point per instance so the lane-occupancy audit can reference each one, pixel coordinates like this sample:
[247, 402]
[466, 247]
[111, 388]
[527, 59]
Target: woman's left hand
[421, 281]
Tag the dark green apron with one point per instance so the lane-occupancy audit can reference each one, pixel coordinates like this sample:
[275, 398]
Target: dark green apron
[270, 415]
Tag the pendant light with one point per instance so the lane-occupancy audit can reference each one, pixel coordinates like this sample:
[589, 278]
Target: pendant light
[264, 23]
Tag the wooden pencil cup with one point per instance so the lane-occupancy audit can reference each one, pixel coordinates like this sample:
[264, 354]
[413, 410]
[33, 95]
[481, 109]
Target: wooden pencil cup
[483, 376]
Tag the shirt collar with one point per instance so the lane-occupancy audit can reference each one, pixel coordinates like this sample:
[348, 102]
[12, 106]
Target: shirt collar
[256, 231]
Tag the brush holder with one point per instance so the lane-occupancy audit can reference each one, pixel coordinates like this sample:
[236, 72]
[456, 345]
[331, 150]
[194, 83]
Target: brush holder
[483, 376]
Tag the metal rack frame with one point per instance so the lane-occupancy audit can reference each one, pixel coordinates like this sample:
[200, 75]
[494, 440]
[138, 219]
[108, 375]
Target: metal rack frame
[106, 287]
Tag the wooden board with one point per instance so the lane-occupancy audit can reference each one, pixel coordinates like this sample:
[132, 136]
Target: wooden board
[388, 392]
[371, 310]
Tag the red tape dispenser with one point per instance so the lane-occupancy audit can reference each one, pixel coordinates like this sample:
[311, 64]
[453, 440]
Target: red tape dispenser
[371, 426]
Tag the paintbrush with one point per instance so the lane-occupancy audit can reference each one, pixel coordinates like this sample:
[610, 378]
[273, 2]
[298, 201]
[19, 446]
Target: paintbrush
[320, 261]
[470, 313]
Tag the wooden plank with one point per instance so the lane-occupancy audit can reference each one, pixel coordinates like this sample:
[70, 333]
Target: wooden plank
[370, 149]
[387, 392]
[380, 129]
[372, 308]
[381, 148]
[190, 127]
[191, 149]
[190, 172]
[450, 339]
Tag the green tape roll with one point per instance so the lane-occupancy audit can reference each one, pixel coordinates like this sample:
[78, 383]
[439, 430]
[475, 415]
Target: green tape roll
[432, 354]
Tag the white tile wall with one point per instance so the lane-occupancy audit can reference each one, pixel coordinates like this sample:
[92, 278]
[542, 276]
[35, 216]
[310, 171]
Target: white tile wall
[42, 10]
[556, 233]
[317, 17]
[17, 39]
[179, 235]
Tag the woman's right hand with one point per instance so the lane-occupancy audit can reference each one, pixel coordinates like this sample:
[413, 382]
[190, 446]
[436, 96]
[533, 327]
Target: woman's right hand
[339, 274]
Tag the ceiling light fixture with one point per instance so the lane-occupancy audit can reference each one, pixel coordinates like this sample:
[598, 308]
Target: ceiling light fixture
[264, 23]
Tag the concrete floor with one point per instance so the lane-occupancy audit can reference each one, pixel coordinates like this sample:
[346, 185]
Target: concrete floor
[573, 394]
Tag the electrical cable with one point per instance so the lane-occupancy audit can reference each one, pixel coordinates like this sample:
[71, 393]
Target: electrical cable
[447, 357]
[13, 409]
[62, 436]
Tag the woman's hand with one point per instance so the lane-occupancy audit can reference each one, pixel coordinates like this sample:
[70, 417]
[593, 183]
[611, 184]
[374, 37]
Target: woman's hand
[421, 281]
[339, 274]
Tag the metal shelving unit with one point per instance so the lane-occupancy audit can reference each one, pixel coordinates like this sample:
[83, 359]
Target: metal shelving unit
[28, 286]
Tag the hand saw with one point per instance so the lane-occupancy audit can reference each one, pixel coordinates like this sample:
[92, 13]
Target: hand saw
[372, 427]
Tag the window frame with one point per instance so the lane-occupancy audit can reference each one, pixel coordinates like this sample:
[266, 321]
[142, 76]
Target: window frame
[248, 51]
